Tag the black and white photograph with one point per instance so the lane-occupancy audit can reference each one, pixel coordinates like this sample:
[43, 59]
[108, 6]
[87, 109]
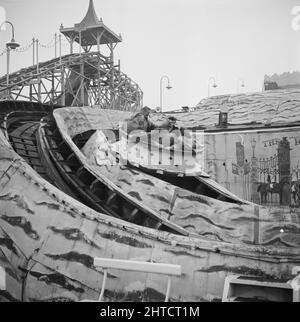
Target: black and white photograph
[149, 153]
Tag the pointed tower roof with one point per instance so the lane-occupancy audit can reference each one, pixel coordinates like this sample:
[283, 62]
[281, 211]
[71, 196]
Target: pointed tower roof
[91, 28]
[90, 18]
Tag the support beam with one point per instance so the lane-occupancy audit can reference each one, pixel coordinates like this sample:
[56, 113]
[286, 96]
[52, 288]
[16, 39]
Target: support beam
[71, 45]
[63, 88]
[82, 84]
[95, 79]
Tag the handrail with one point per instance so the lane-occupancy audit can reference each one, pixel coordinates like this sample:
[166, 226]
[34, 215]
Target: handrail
[295, 284]
[2, 279]
[137, 266]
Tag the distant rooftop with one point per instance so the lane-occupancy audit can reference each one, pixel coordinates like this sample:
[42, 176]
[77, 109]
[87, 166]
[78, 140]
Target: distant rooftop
[274, 107]
[282, 81]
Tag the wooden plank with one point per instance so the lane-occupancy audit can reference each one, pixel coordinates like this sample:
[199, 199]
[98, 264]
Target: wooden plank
[157, 268]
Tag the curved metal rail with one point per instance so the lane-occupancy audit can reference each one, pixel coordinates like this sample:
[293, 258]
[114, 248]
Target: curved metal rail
[94, 192]
[34, 136]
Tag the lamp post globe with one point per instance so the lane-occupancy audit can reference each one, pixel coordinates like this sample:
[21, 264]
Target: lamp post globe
[214, 85]
[12, 45]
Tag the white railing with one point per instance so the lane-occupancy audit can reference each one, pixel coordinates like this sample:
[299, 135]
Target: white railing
[136, 266]
[2, 279]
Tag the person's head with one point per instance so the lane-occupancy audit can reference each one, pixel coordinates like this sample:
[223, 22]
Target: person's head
[172, 122]
[172, 119]
[145, 111]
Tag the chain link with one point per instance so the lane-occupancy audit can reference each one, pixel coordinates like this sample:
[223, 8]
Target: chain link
[50, 44]
[54, 41]
[24, 48]
[64, 42]
[18, 50]
[3, 52]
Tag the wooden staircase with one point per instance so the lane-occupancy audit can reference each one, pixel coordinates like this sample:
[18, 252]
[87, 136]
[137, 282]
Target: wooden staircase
[252, 289]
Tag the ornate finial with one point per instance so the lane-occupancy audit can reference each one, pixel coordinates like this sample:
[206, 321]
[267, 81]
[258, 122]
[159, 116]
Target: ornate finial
[90, 18]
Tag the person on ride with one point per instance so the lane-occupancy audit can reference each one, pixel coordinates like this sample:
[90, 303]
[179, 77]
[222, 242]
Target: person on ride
[158, 120]
[148, 120]
[138, 122]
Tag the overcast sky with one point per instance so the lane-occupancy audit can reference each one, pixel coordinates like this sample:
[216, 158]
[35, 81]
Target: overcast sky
[188, 40]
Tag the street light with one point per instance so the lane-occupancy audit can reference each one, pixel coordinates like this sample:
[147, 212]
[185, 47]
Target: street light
[238, 84]
[214, 85]
[161, 90]
[12, 45]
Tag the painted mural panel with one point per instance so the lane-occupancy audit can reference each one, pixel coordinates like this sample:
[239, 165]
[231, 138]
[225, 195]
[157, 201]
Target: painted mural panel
[262, 166]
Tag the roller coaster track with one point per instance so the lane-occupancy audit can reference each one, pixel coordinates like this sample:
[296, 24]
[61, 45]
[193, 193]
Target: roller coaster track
[74, 80]
[24, 76]
[33, 134]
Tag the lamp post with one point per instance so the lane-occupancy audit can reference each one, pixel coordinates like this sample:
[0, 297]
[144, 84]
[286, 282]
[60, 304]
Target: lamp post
[214, 85]
[161, 89]
[238, 85]
[12, 45]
